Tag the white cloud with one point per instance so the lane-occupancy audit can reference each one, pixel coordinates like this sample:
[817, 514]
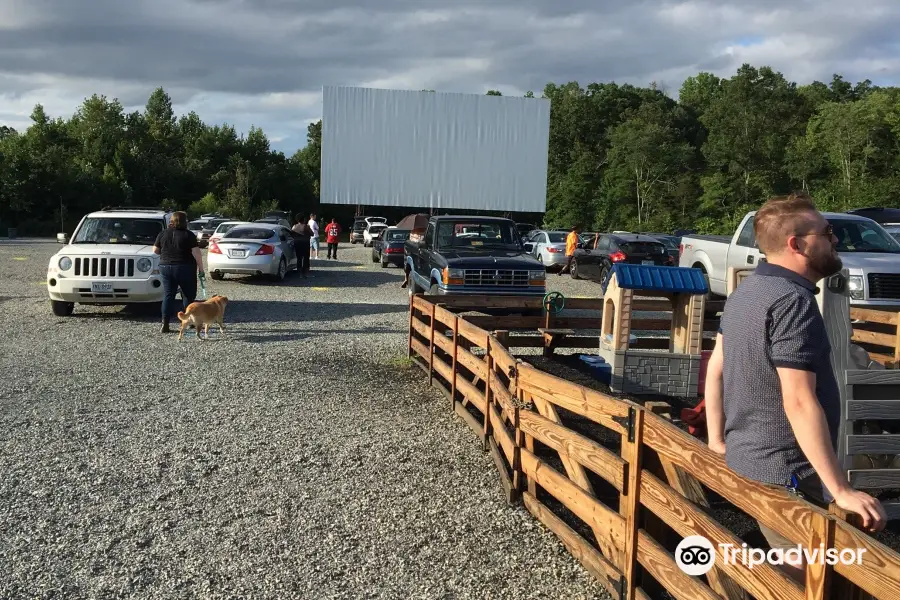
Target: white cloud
[264, 62]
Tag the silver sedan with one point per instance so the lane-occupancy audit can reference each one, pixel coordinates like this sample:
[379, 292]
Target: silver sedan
[254, 249]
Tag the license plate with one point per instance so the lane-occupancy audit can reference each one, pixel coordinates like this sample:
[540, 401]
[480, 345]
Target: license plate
[646, 262]
[239, 253]
[98, 286]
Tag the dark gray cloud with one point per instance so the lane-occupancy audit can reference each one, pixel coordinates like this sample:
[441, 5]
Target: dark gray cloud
[230, 59]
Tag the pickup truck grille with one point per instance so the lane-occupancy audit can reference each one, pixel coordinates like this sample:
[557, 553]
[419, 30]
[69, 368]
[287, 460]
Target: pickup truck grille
[884, 285]
[496, 277]
[103, 266]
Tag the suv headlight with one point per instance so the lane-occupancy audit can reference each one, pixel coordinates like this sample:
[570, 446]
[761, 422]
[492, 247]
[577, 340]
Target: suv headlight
[855, 287]
[65, 263]
[457, 273]
[144, 264]
[537, 274]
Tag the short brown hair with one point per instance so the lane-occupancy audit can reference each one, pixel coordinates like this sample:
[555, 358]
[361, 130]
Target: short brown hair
[779, 218]
[179, 220]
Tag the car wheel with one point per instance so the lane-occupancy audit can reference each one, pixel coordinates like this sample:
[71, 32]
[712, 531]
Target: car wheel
[374, 258]
[384, 264]
[604, 278]
[574, 272]
[217, 276]
[282, 270]
[62, 309]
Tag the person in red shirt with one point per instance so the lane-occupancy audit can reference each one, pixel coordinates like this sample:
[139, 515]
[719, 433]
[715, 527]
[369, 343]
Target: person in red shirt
[332, 231]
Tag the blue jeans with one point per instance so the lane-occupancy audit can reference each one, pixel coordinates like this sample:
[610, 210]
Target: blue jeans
[174, 277]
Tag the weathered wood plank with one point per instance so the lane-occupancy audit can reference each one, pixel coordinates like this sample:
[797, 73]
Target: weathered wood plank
[421, 303]
[774, 507]
[587, 508]
[471, 393]
[873, 315]
[505, 479]
[874, 337]
[443, 342]
[588, 453]
[578, 399]
[467, 417]
[443, 369]
[474, 334]
[502, 396]
[873, 409]
[661, 565]
[878, 573]
[500, 433]
[892, 509]
[503, 360]
[594, 562]
[442, 315]
[871, 479]
[421, 328]
[763, 581]
[862, 377]
[420, 349]
[537, 341]
[883, 443]
[473, 363]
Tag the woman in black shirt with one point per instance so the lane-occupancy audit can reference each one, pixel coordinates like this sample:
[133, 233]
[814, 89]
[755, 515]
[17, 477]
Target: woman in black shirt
[180, 262]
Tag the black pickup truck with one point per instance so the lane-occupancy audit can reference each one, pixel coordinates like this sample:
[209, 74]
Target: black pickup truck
[473, 255]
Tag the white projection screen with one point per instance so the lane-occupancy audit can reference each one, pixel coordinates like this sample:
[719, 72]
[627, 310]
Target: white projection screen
[434, 150]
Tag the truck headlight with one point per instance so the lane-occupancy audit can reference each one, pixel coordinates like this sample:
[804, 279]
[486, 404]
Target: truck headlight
[537, 274]
[454, 276]
[855, 287]
[143, 264]
[65, 263]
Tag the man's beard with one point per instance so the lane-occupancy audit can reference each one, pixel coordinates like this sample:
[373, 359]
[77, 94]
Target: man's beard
[826, 264]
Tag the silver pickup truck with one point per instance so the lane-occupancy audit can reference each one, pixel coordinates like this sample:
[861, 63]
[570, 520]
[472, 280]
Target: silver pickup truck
[869, 253]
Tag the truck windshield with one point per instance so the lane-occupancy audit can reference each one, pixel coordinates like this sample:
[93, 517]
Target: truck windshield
[863, 236]
[126, 230]
[459, 234]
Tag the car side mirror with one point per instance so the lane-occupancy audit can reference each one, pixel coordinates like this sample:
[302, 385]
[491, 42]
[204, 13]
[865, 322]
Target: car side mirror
[62, 238]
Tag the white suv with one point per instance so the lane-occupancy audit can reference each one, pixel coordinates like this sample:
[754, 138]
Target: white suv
[109, 260]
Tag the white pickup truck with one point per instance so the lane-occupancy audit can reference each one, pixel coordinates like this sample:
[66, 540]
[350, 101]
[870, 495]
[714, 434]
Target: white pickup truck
[869, 253]
[109, 260]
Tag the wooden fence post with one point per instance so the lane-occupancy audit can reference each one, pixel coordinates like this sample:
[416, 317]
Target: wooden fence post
[412, 312]
[632, 453]
[431, 348]
[488, 397]
[455, 350]
[897, 344]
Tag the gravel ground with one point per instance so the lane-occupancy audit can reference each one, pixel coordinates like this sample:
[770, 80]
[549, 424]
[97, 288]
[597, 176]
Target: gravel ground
[300, 458]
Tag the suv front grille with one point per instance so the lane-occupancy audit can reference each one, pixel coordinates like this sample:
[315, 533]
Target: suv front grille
[496, 277]
[103, 266]
[884, 285]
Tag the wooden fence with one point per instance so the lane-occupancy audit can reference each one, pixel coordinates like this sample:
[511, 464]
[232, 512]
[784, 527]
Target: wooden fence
[620, 485]
[876, 330]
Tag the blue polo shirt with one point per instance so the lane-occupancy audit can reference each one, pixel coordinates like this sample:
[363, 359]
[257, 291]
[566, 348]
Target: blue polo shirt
[772, 320]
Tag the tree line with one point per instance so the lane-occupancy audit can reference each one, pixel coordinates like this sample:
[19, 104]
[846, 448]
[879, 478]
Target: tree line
[620, 156]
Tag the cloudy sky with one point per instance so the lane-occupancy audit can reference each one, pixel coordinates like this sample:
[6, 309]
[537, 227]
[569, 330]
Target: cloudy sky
[264, 62]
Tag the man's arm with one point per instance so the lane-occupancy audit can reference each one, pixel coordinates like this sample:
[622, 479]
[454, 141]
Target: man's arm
[798, 388]
[712, 397]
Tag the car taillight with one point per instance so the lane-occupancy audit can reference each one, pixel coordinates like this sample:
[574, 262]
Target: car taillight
[618, 256]
[552, 249]
[394, 251]
[214, 248]
[266, 249]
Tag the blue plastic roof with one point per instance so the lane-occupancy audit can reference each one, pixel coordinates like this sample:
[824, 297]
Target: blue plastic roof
[660, 279]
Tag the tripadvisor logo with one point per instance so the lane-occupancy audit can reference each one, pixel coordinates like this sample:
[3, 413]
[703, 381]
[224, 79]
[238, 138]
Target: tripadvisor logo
[695, 555]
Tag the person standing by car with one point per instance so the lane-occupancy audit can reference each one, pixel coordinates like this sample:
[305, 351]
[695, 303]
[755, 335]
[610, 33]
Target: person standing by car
[314, 240]
[571, 245]
[180, 262]
[302, 228]
[332, 231]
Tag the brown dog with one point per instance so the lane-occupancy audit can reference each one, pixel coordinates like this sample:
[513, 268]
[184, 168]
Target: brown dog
[203, 314]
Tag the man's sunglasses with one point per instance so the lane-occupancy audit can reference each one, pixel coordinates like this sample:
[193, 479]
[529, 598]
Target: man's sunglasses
[828, 232]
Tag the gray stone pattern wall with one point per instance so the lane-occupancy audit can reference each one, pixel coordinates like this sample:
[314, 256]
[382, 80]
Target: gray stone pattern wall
[661, 373]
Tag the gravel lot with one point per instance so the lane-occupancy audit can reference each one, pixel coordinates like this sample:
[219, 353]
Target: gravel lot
[300, 458]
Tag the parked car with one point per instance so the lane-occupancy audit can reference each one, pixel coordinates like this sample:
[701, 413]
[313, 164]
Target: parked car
[357, 229]
[196, 226]
[870, 254]
[671, 242]
[549, 247]
[889, 218]
[109, 259]
[254, 249]
[473, 255]
[373, 231]
[525, 229]
[388, 247]
[224, 228]
[210, 227]
[274, 221]
[596, 263]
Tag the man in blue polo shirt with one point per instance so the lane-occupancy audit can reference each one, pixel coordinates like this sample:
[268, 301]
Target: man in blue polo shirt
[780, 397]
